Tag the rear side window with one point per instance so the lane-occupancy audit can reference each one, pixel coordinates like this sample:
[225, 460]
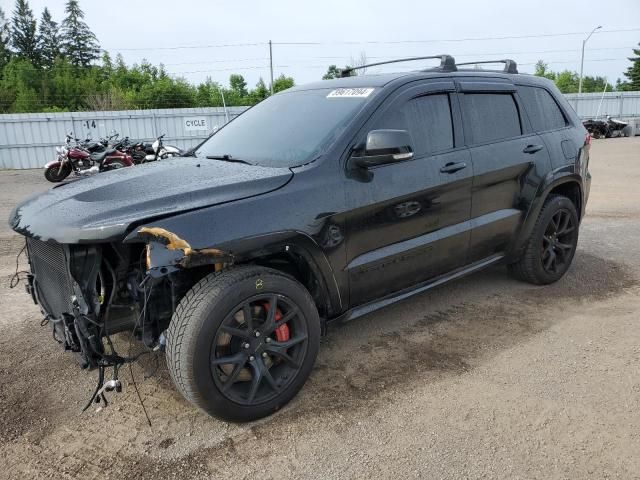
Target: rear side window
[428, 120]
[542, 109]
[491, 116]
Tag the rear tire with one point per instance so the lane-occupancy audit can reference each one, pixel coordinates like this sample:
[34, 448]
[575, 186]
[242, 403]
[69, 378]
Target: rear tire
[552, 244]
[241, 370]
[55, 174]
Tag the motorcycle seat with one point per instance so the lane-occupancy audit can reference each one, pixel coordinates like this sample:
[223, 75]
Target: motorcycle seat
[100, 156]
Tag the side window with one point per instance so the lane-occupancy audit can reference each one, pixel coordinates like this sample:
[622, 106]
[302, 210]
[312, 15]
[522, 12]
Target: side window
[491, 116]
[430, 123]
[542, 109]
[428, 120]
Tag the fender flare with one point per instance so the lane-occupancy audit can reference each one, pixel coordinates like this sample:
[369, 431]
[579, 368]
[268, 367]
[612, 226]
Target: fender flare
[553, 180]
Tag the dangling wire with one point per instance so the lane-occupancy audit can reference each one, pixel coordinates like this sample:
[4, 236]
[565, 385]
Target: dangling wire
[141, 317]
[15, 278]
[113, 359]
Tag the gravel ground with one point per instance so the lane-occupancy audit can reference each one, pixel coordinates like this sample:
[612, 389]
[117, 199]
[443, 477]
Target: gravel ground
[482, 378]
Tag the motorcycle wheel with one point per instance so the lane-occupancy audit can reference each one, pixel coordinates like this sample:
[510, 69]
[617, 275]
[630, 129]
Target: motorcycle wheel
[55, 174]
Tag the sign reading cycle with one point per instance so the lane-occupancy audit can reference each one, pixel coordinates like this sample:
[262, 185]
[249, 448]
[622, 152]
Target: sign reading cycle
[195, 123]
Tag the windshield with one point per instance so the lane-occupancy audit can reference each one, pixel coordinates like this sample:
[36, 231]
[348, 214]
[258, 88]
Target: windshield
[287, 129]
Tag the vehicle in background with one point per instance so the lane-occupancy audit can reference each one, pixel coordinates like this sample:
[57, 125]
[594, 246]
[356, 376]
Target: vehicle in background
[85, 158]
[606, 128]
[143, 152]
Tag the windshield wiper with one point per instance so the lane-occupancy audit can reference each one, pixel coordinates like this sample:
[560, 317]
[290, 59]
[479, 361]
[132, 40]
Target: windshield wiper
[228, 158]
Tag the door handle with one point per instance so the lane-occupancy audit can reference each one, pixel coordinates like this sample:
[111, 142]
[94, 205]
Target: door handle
[453, 167]
[532, 148]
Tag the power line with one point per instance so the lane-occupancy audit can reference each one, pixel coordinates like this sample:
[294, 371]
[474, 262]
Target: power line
[180, 47]
[258, 67]
[470, 39]
[371, 42]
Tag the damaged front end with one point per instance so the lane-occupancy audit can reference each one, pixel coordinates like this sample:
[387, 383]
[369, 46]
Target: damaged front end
[88, 293]
[166, 252]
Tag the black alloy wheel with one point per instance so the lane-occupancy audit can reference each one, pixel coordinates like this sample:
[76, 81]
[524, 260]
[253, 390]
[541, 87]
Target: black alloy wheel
[242, 342]
[558, 242]
[259, 349]
[552, 244]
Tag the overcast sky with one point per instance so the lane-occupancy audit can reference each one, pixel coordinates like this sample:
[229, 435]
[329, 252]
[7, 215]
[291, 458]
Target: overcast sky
[341, 30]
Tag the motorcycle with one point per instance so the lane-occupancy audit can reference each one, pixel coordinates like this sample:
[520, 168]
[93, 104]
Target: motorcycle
[143, 152]
[607, 129]
[78, 159]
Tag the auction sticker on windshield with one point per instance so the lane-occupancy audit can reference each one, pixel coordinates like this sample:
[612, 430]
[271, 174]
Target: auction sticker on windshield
[350, 92]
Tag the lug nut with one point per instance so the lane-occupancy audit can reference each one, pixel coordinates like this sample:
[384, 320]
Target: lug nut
[264, 354]
[252, 358]
[257, 333]
[267, 340]
[245, 345]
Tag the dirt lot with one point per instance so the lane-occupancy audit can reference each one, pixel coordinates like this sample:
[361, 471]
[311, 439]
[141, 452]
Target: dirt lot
[482, 378]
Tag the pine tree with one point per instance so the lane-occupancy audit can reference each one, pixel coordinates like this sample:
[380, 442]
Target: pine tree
[23, 32]
[48, 39]
[633, 72]
[5, 52]
[79, 43]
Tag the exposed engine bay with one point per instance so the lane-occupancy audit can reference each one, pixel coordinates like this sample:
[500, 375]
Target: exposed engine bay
[87, 293]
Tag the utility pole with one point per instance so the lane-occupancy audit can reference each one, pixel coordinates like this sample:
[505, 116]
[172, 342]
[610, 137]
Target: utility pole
[271, 64]
[584, 42]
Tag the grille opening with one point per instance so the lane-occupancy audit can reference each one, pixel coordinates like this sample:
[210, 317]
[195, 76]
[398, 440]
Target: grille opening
[52, 281]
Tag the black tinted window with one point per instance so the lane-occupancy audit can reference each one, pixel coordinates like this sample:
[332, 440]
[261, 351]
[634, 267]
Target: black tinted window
[542, 109]
[491, 116]
[428, 120]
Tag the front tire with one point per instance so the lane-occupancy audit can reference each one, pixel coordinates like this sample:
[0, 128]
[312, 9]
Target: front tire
[56, 174]
[243, 342]
[552, 244]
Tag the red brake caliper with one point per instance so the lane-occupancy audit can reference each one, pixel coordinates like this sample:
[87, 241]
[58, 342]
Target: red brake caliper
[282, 332]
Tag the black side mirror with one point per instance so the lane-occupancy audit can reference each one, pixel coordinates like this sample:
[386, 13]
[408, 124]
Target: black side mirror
[385, 146]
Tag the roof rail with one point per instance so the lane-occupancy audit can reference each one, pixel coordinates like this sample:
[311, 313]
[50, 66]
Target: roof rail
[447, 64]
[510, 66]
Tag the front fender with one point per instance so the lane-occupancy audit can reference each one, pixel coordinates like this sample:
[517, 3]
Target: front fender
[53, 163]
[167, 252]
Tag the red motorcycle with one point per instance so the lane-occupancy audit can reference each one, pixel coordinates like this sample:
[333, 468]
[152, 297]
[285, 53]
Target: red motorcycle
[77, 159]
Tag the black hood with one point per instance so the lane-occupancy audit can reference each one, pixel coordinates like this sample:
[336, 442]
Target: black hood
[103, 206]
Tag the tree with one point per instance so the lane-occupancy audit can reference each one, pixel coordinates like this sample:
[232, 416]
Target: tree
[542, 70]
[259, 93]
[633, 72]
[238, 85]
[5, 40]
[332, 72]
[568, 82]
[23, 32]
[48, 39]
[282, 83]
[79, 43]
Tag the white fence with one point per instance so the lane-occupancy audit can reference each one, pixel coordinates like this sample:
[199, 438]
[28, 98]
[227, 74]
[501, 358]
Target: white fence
[27, 140]
[617, 104]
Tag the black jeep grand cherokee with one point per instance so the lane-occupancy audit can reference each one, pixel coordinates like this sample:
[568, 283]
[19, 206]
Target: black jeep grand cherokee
[322, 203]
